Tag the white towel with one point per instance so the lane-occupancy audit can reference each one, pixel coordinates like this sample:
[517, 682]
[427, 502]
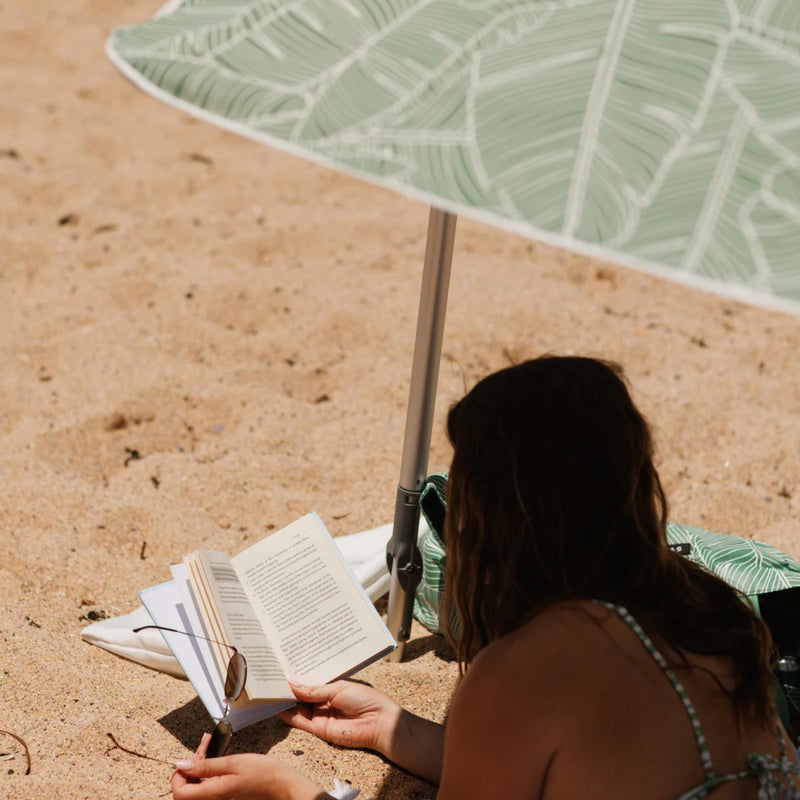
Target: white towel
[147, 647]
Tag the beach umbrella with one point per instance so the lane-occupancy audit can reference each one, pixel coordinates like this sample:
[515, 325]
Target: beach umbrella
[662, 135]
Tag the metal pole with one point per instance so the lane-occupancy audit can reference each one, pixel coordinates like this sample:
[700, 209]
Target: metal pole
[406, 565]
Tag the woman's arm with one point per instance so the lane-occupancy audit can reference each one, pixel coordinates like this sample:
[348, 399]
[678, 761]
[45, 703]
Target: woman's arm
[502, 734]
[242, 777]
[418, 746]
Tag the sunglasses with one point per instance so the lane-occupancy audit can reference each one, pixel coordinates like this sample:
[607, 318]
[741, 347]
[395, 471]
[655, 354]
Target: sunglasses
[235, 679]
[17, 748]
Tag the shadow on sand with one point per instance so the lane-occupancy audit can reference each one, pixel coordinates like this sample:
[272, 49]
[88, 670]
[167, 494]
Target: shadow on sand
[189, 722]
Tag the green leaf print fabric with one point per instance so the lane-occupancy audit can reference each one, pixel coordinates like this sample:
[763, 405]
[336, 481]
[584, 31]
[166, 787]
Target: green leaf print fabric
[754, 568]
[663, 135]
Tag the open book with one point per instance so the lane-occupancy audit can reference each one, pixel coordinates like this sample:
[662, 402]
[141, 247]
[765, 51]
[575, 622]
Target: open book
[289, 604]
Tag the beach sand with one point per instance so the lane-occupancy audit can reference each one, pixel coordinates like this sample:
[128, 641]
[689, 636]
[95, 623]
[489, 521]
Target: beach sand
[203, 339]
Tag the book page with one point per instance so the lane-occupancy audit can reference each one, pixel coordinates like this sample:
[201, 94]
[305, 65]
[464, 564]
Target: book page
[174, 605]
[309, 603]
[165, 605]
[230, 618]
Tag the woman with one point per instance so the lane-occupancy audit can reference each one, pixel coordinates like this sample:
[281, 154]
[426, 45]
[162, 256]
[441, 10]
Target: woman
[596, 662]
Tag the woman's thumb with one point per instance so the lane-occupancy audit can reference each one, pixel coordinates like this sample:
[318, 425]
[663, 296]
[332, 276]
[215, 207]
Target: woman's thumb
[313, 694]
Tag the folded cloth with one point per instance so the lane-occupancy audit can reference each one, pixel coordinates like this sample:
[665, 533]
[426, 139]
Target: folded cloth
[365, 551]
[146, 647]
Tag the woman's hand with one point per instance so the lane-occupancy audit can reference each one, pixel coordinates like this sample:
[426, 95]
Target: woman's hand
[354, 715]
[179, 778]
[347, 714]
[240, 777]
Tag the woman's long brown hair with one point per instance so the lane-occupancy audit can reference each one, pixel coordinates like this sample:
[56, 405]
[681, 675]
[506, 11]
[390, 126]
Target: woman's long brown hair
[553, 496]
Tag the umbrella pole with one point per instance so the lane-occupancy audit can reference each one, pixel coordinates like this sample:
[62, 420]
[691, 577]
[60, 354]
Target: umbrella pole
[402, 552]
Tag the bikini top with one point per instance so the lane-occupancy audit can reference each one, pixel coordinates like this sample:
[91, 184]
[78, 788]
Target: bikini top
[773, 775]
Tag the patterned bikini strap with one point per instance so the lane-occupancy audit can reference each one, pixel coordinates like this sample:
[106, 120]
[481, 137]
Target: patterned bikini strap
[769, 772]
[774, 777]
[700, 737]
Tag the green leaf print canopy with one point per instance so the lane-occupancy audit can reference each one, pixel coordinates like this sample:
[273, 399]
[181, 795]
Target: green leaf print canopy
[659, 134]
[663, 134]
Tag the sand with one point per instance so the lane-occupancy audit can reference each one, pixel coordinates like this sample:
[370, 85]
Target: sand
[203, 339]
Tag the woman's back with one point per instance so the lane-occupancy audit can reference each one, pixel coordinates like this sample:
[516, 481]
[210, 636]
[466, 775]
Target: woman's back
[573, 704]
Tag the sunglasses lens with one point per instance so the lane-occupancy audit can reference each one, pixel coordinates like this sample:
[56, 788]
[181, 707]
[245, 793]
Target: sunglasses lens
[235, 679]
[221, 738]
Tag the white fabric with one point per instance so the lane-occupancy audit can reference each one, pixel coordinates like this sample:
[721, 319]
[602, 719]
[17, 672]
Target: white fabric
[148, 647]
[364, 551]
[343, 791]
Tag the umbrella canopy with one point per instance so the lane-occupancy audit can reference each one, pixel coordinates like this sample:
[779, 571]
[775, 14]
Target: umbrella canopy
[662, 135]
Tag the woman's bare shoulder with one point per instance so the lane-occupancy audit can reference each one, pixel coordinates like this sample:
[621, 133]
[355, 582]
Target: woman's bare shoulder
[546, 652]
[553, 634]
[515, 704]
